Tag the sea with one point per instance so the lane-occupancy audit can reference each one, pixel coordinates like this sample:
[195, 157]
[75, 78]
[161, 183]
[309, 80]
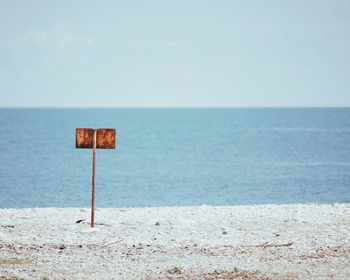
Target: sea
[176, 157]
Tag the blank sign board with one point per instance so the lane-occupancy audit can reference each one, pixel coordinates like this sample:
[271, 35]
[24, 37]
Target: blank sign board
[105, 138]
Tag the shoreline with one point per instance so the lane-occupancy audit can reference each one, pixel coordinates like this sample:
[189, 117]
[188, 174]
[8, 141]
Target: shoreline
[293, 241]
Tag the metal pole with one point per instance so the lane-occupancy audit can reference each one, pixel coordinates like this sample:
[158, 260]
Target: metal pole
[93, 180]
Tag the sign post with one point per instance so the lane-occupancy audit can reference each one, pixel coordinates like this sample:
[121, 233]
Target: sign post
[87, 138]
[93, 179]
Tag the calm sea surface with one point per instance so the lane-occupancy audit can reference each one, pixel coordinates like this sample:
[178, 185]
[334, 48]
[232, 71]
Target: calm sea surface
[168, 157]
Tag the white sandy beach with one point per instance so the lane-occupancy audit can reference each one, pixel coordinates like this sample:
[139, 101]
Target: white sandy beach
[205, 242]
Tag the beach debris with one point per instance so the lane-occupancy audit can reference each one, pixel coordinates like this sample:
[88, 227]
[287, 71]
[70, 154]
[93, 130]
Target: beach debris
[267, 245]
[13, 261]
[62, 247]
[79, 221]
[175, 270]
[103, 224]
[7, 226]
[114, 242]
[9, 278]
[235, 274]
[157, 224]
[224, 232]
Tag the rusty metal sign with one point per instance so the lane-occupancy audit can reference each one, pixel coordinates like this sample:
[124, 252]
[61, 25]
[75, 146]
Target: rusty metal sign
[89, 138]
[105, 138]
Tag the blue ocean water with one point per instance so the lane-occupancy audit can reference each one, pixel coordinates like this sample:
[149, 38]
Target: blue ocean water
[168, 157]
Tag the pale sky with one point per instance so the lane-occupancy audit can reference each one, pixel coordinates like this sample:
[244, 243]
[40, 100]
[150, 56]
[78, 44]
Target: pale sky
[174, 53]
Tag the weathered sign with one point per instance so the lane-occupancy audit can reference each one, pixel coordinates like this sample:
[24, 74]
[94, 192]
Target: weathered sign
[89, 138]
[105, 138]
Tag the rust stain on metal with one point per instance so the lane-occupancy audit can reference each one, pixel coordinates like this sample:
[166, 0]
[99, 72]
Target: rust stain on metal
[105, 138]
[84, 138]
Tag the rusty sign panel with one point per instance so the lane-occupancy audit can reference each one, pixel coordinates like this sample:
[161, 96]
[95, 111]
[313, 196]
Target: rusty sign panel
[105, 138]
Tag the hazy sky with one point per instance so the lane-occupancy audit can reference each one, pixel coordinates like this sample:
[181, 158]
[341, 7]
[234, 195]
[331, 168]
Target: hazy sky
[174, 53]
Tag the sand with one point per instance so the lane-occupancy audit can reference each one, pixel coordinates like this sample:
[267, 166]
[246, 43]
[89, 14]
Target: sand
[203, 242]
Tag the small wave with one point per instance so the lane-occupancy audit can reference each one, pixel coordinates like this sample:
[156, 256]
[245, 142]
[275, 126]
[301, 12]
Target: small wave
[308, 164]
[304, 129]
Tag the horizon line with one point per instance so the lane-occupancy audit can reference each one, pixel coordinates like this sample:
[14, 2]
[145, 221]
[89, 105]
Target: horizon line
[175, 107]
